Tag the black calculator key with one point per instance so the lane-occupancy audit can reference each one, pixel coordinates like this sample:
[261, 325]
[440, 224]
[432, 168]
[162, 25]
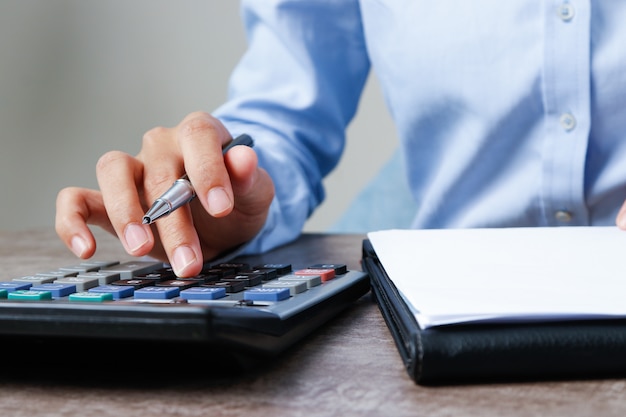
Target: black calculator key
[281, 269]
[248, 280]
[267, 274]
[136, 283]
[162, 274]
[179, 283]
[230, 286]
[236, 266]
[340, 269]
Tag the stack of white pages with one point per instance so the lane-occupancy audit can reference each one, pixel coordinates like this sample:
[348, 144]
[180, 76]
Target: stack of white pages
[506, 275]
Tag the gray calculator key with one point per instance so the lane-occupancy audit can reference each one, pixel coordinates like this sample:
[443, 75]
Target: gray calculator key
[129, 269]
[103, 277]
[35, 279]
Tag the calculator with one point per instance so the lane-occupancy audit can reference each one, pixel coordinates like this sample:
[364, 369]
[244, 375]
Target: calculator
[253, 309]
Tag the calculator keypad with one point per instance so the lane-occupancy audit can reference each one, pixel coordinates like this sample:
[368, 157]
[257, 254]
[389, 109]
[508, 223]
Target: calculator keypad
[141, 281]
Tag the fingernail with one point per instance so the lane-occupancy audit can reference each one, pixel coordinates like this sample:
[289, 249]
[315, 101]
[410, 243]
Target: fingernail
[218, 201]
[79, 246]
[135, 236]
[183, 257]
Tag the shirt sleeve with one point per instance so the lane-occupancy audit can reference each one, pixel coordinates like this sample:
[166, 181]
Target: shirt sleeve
[294, 91]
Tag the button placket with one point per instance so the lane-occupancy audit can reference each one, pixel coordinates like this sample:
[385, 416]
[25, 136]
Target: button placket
[567, 104]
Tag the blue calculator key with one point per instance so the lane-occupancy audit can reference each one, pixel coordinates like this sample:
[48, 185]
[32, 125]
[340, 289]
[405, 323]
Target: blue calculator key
[92, 297]
[11, 286]
[203, 293]
[57, 290]
[117, 291]
[266, 294]
[157, 293]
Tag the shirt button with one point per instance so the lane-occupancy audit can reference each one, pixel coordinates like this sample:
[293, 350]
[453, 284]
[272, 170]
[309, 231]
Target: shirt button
[566, 12]
[563, 216]
[568, 121]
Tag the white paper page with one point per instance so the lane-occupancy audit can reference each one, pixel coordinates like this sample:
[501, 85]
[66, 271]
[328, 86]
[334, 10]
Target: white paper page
[458, 275]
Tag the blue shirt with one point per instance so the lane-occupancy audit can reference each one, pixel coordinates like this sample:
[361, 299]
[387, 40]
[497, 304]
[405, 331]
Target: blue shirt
[510, 113]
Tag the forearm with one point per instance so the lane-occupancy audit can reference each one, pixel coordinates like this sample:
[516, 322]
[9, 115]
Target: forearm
[295, 91]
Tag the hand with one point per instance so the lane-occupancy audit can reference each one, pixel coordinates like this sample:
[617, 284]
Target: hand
[231, 206]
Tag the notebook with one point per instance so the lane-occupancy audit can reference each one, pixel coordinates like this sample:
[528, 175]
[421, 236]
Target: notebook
[513, 303]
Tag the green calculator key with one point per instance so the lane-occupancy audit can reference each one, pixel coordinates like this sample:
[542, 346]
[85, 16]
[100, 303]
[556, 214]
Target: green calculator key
[91, 296]
[3, 293]
[30, 295]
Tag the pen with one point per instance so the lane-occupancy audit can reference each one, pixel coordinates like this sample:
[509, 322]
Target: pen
[182, 192]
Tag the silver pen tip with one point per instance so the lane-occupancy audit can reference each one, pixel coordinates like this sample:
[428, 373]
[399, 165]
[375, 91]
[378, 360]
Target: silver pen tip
[146, 220]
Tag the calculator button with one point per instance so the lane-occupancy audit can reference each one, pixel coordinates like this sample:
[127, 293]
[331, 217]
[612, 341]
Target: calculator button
[3, 293]
[57, 274]
[82, 283]
[34, 279]
[201, 279]
[156, 293]
[79, 268]
[128, 270]
[117, 291]
[103, 278]
[266, 294]
[340, 269]
[281, 269]
[203, 293]
[218, 272]
[295, 287]
[158, 275]
[325, 274]
[91, 297]
[100, 264]
[267, 274]
[28, 295]
[229, 286]
[135, 283]
[178, 283]
[248, 280]
[56, 289]
[311, 280]
[14, 286]
[236, 266]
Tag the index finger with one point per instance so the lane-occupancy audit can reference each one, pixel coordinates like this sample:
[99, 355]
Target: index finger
[120, 178]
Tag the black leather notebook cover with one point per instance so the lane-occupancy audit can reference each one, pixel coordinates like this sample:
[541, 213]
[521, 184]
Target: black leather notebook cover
[475, 353]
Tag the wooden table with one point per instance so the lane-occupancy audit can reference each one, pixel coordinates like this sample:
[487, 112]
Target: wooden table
[349, 367]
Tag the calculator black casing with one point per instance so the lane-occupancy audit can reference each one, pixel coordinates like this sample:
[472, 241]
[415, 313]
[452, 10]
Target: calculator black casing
[247, 328]
[251, 330]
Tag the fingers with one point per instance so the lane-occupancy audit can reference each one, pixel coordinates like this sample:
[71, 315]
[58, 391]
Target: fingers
[252, 186]
[120, 178]
[191, 147]
[201, 138]
[233, 197]
[75, 208]
[253, 192]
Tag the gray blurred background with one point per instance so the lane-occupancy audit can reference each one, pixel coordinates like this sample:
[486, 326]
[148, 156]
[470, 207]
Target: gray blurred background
[79, 78]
